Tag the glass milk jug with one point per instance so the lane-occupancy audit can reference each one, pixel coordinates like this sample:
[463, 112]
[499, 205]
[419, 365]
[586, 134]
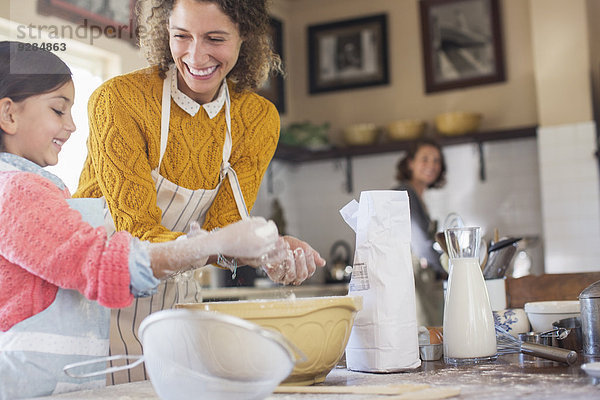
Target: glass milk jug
[469, 332]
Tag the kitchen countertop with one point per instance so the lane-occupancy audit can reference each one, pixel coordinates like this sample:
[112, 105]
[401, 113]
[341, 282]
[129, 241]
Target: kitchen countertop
[511, 376]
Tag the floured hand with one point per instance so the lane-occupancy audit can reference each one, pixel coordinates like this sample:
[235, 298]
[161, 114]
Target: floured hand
[249, 238]
[276, 256]
[299, 264]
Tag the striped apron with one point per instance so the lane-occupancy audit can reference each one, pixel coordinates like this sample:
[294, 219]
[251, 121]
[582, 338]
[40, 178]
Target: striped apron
[72, 329]
[180, 206]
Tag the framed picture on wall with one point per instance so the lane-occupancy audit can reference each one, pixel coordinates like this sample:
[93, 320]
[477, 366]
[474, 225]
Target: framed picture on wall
[273, 88]
[107, 18]
[348, 54]
[462, 43]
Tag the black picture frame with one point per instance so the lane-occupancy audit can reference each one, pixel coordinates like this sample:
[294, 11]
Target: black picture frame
[462, 43]
[348, 54]
[112, 18]
[273, 89]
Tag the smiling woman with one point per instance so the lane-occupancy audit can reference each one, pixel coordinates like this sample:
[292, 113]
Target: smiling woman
[205, 45]
[187, 139]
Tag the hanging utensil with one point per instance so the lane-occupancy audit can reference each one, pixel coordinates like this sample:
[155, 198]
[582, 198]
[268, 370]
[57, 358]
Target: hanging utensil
[503, 243]
[499, 256]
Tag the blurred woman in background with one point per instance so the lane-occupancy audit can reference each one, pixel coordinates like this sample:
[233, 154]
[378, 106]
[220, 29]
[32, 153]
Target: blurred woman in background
[423, 167]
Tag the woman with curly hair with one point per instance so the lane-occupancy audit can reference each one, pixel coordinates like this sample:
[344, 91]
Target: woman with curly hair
[187, 139]
[423, 167]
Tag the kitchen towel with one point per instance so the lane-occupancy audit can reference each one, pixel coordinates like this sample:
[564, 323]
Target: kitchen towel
[384, 337]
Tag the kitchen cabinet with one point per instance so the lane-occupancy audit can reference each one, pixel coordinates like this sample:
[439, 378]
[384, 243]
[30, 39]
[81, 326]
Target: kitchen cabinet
[296, 155]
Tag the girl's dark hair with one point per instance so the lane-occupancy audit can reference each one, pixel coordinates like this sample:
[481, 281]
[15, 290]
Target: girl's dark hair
[256, 60]
[26, 72]
[403, 173]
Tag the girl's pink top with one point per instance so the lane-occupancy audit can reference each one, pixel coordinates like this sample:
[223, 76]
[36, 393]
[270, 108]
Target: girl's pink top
[44, 245]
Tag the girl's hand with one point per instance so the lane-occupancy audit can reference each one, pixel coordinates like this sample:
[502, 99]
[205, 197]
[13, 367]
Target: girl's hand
[249, 238]
[252, 237]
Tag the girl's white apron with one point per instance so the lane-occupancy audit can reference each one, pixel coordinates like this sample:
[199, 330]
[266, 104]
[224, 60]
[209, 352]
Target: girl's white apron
[180, 206]
[72, 329]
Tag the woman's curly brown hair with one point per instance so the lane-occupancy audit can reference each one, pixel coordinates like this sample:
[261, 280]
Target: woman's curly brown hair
[256, 59]
[404, 173]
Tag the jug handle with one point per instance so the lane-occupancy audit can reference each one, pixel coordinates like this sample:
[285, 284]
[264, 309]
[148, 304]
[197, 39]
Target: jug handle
[67, 368]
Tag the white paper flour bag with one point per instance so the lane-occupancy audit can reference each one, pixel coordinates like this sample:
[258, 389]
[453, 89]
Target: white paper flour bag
[384, 337]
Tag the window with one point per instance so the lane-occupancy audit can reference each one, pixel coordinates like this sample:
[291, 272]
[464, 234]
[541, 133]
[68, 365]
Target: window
[90, 67]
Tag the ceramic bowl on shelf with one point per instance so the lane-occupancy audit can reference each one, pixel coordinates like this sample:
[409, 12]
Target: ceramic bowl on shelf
[542, 314]
[318, 326]
[405, 129]
[360, 134]
[457, 123]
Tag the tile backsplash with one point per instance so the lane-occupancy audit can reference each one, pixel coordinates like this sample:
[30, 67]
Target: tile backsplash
[528, 191]
[570, 197]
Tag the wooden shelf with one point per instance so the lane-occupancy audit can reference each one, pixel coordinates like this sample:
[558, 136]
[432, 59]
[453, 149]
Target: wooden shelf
[298, 154]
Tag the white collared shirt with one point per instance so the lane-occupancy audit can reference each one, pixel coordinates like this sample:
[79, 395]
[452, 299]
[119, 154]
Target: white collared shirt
[191, 106]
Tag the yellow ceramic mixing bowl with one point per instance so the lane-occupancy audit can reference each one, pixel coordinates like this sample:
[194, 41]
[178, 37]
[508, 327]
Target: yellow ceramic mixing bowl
[319, 326]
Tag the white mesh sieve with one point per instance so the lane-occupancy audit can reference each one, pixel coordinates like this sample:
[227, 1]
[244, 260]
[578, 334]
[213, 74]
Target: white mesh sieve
[209, 355]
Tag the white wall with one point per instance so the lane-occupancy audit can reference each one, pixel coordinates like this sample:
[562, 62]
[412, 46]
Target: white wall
[509, 199]
[570, 197]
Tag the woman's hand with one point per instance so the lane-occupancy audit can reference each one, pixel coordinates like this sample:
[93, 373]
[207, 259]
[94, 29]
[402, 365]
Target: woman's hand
[299, 263]
[253, 241]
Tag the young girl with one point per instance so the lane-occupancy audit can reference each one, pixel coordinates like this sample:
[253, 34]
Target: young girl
[57, 272]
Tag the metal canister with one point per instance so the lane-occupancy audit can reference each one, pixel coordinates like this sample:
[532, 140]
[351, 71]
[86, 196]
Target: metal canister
[589, 300]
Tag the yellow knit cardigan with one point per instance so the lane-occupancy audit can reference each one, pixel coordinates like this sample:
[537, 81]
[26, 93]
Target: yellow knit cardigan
[124, 147]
